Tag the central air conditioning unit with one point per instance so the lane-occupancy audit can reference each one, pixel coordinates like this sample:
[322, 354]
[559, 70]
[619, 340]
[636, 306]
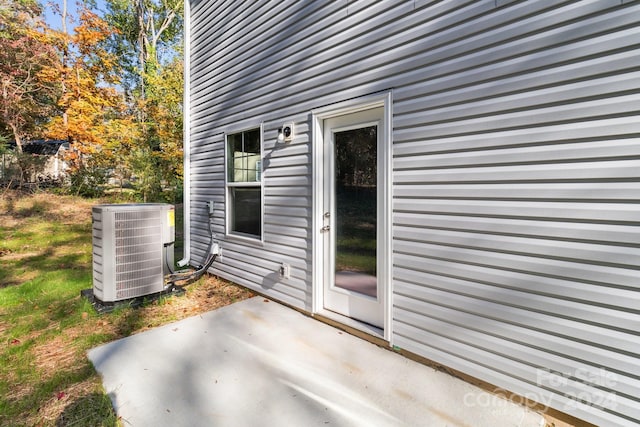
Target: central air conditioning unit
[131, 249]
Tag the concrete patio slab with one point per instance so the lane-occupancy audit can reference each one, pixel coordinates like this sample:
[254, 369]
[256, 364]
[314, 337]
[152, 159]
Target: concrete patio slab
[258, 363]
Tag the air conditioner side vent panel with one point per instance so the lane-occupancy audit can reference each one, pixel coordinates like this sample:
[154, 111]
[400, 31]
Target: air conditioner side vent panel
[128, 249]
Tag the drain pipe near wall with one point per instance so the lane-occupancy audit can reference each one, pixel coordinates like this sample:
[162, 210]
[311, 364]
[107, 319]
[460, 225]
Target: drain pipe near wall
[186, 140]
[185, 277]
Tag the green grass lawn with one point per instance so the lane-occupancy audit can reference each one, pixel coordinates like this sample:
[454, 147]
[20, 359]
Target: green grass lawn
[45, 258]
[356, 230]
[46, 327]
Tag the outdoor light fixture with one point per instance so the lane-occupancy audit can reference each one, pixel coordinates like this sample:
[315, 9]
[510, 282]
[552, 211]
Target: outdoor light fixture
[285, 133]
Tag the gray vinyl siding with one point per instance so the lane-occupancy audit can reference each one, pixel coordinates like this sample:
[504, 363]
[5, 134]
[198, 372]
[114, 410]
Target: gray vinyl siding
[516, 174]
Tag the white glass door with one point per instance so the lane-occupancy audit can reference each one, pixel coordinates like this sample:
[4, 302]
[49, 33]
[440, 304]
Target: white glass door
[352, 216]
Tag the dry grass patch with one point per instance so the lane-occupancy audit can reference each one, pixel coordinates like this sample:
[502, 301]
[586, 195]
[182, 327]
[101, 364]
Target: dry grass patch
[56, 354]
[20, 390]
[208, 294]
[16, 206]
[74, 405]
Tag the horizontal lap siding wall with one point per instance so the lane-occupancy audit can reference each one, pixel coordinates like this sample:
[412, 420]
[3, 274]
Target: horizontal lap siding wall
[516, 205]
[267, 62]
[218, 61]
[516, 155]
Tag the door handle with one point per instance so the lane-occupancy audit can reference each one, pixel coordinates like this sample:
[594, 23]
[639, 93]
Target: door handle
[326, 228]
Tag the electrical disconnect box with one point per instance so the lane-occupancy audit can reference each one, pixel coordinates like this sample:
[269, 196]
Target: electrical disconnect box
[132, 249]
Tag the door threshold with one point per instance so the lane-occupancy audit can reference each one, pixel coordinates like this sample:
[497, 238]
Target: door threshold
[355, 327]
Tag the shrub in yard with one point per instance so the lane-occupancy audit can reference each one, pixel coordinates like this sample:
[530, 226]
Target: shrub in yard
[88, 181]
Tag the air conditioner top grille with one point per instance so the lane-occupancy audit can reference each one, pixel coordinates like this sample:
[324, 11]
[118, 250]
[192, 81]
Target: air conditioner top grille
[123, 218]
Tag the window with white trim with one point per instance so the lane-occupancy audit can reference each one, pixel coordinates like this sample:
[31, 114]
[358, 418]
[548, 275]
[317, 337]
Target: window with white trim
[244, 186]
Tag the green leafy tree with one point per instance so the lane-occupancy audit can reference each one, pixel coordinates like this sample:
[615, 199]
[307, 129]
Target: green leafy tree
[148, 44]
[163, 128]
[148, 33]
[89, 106]
[27, 91]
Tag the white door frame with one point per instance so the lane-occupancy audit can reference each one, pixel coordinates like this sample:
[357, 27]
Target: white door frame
[384, 171]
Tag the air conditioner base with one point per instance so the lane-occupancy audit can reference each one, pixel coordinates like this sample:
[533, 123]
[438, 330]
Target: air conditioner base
[107, 307]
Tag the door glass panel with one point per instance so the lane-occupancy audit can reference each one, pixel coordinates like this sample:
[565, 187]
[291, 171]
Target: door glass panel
[356, 209]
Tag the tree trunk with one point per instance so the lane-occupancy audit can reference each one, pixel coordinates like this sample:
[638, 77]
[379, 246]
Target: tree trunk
[8, 121]
[142, 60]
[16, 137]
[65, 55]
